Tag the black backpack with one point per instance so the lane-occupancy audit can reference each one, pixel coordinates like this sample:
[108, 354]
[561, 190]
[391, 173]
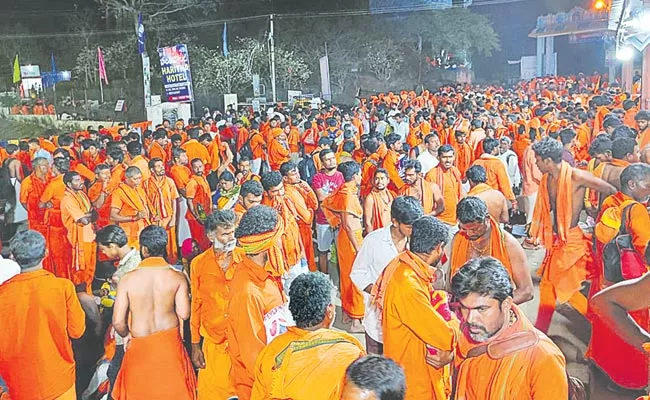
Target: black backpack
[307, 168]
[246, 147]
[620, 258]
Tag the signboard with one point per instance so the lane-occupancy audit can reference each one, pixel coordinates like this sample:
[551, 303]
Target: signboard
[578, 20]
[30, 71]
[119, 105]
[326, 90]
[257, 107]
[528, 67]
[230, 100]
[146, 79]
[256, 85]
[176, 76]
[292, 95]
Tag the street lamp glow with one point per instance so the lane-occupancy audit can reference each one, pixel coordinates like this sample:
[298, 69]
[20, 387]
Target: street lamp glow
[624, 53]
[600, 5]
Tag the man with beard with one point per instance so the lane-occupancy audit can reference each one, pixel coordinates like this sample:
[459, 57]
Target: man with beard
[199, 203]
[78, 216]
[418, 330]
[292, 247]
[100, 196]
[279, 151]
[309, 360]
[392, 160]
[130, 206]
[376, 206]
[210, 275]
[427, 193]
[163, 197]
[497, 339]
[480, 235]
[244, 172]
[429, 158]
[448, 179]
[250, 195]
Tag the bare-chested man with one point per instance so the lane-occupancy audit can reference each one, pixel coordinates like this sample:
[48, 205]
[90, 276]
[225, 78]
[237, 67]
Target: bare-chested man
[376, 206]
[561, 192]
[497, 204]
[427, 193]
[150, 302]
[625, 151]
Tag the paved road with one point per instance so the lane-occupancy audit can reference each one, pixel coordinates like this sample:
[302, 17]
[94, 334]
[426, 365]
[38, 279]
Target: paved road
[569, 330]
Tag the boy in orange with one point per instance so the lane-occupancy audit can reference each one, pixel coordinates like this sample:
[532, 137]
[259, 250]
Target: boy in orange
[130, 206]
[343, 210]
[418, 329]
[491, 325]
[567, 247]
[44, 328]
[256, 310]
[78, 215]
[309, 360]
[199, 203]
[391, 161]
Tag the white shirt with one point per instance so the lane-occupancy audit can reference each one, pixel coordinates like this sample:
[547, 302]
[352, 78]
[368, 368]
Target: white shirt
[428, 161]
[511, 161]
[400, 128]
[376, 252]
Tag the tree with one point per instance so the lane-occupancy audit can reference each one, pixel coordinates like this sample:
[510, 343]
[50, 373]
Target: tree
[120, 57]
[383, 58]
[87, 66]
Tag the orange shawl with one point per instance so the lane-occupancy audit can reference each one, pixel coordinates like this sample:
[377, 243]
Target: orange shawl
[497, 249]
[377, 218]
[271, 241]
[542, 225]
[427, 199]
[478, 189]
[344, 200]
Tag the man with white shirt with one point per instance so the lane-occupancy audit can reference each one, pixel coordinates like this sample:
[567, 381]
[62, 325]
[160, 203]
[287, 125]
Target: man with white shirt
[400, 125]
[511, 161]
[378, 249]
[429, 158]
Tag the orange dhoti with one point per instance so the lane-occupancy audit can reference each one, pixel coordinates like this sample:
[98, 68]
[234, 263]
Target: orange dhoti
[156, 367]
[308, 244]
[351, 297]
[59, 249]
[172, 245]
[84, 255]
[215, 380]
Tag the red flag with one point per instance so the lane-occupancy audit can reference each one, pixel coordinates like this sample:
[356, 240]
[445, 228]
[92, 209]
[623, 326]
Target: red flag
[102, 66]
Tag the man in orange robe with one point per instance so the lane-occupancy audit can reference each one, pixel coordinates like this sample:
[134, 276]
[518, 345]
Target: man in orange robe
[179, 171]
[448, 179]
[115, 160]
[195, 149]
[77, 214]
[481, 236]
[427, 193]
[138, 160]
[279, 151]
[158, 147]
[376, 206]
[163, 196]
[375, 153]
[91, 157]
[305, 201]
[418, 329]
[31, 190]
[496, 202]
[59, 250]
[568, 249]
[45, 313]
[292, 247]
[343, 210]
[250, 195]
[257, 311]
[199, 203]
[498, 339]
[130, 206]
[100, 193]
[497, 176]
[309, 360]
[625, 151]
[391, 161]
[464, 154]
[210, 275]
[150, 303]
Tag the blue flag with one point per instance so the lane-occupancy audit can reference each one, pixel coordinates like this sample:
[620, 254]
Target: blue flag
[225, 39]
[54, 71]
[141, 35]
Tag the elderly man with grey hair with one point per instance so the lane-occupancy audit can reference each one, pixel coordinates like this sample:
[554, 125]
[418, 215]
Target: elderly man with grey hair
[511, 161]
[45, 313]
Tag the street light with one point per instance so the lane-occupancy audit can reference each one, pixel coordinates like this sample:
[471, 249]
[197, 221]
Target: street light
[624, 53]
[599, 5]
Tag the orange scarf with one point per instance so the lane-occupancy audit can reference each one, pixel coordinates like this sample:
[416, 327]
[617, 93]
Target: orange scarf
[344, 199]
[426, 195]
[271, 241]
[376, 210]
[542, 225]
[135, 200]
[478, 189]
[496, 249]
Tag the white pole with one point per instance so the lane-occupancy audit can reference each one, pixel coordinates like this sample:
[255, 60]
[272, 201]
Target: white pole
[101, 90]
[272, 39]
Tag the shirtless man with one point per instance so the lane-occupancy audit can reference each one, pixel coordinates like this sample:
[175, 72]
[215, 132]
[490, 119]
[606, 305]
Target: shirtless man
[376, 206]
[497, 203]
[561, 192]
[156, 297]
[427, 193]
[625, 151]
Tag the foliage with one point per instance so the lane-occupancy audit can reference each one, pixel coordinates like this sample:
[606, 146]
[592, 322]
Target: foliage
[383, 58]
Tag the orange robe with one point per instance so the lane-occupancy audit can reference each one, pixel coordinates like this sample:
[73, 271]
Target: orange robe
[380, 209]
[91, 162]
[82, 170]
[567, 252]
[104, 212]
[209, 283]
[306, 203]
[242, 138]
[368, 168]
[450, 184]
[346, 200]
[294, 140]
[411, 320]
[278, 154]
[157, 151]
[194, 150]
[424, 194]
[390, 165]
[292, 247]
[168, 373]
[117, 177]
[143, 165]
[198, 190]
[45, 313]
[536, 372]
[583, 141]
[130, 201]
[58, 246]
[497, 176]
[31, 190]
[497, 249]
[256, 294]
[302, 364]
[74, 206]
[464, 157]
[162, 195]
[181, 176]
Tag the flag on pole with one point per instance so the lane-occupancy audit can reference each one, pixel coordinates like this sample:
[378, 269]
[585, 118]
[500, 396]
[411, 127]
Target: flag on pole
[225, 39]
[141, 35]
[16, 70]
[54, 71]
[102, 67]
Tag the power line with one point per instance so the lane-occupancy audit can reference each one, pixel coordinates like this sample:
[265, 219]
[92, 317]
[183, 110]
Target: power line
[193, 25]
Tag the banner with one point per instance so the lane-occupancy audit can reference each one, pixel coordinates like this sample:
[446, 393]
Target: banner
[102, 66]
[326, 90]
[141, 35]
[176, 76]
[16, 70]
[225, 39]
[146, 76]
